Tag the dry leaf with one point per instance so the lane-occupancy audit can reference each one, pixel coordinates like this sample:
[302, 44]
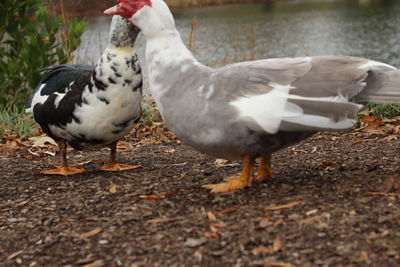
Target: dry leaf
[15, 254]
[277, 245]
[83, 163]
[364, 256]
[390, 138]
[327, 164]
[192, 242]
[94, 232]
[357, 142]
[264, 222]
[314, 149]
[211, 216]
[161, 220]
[260, 250]
[43, 140]
[225, 211]
[369, 118]
[310, 220]
[374, 124]
[22, 203]
[148, 197]
[277, 264]
[113, 189]
[158, 196]
[284, 206]
[97, 263]
[211, 235]
[383, 194]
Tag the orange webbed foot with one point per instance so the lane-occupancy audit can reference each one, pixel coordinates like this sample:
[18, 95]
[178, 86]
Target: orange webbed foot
[231, 184]
[64, 170]
[114, 167]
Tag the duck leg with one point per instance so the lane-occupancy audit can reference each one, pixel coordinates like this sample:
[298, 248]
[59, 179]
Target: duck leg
[113, 165]
[64, 169]
[264, 170]
[236, 182]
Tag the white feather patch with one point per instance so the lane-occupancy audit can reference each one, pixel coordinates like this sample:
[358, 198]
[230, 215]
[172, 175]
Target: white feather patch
[322, 122]
[372, 63]
[37, 99]
[268, 109]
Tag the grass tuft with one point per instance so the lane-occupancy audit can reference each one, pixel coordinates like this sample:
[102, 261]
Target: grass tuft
[385, 111]
[13, 121]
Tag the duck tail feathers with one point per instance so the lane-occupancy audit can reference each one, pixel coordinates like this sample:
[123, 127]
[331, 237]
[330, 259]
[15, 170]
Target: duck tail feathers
[382, 85]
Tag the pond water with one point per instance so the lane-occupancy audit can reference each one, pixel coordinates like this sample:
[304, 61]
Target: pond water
[366, 28]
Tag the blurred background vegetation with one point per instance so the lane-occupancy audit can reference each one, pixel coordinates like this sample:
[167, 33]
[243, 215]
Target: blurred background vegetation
[30, 39]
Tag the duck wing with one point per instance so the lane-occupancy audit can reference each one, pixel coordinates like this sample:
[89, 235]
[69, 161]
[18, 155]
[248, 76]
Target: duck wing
[297, 94]
[58, 79]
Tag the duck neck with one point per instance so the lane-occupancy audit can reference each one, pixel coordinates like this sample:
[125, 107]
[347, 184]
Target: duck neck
[168, 49]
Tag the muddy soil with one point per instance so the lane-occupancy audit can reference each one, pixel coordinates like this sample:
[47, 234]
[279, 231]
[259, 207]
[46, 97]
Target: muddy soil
[334, 201]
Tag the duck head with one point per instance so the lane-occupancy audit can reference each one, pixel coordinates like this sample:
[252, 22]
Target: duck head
[153, 17]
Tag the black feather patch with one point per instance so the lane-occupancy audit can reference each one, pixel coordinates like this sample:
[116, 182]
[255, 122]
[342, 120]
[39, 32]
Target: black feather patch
[103, 99]
[111, 80]
[99, 84]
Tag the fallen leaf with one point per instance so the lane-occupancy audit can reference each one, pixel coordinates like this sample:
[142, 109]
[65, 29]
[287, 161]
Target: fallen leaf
[310, 220]
[314, 149]
[327, 164]
[15, 254]
[97, 263]
[277, 264]
[211, 216]
[225, 211]
[284, 206]
[390, 138]
[222, 225]
[369, 118]
[159, 195]
[22, 203]
[383, 194]
[94, 232]
[260, 250]
[277, 245]
[113, 189]
[374, 124]
[83, 163]
[43, 141]
[357, 142]
[161, 220]
[192, 242]
[264, 222]
[149, 197]
[213, 235]
[364, 256]
[299, 150]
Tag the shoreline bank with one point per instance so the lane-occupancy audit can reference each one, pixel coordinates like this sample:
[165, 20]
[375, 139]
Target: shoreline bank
[79, 8]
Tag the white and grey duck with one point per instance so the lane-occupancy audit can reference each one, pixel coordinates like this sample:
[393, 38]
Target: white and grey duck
[249, 110]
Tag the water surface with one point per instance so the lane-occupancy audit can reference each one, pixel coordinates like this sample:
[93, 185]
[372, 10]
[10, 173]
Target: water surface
[366, 28]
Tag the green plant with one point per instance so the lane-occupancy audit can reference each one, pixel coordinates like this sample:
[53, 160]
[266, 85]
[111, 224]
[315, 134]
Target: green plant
[15, 122]
[30, 39]
[386, 111]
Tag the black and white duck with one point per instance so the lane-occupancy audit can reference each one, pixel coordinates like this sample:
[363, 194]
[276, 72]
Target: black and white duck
[91, 106]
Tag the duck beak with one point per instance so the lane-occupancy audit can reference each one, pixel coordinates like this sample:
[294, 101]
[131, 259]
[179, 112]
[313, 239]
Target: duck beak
[115, 10]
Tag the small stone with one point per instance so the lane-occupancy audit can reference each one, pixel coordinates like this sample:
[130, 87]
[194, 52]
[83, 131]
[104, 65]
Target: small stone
[294, 216]
[193, 242]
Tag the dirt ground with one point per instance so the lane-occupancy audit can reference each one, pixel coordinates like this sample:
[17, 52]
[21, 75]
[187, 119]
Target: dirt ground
[334, 201]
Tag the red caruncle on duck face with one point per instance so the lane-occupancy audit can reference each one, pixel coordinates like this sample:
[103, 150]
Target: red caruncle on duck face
[127, 8]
